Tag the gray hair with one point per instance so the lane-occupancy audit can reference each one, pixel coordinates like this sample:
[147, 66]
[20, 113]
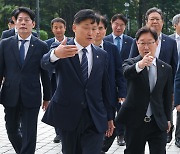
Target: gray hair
[176, 19]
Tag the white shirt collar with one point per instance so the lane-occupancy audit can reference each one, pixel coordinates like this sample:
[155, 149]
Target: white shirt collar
[56, 40]
[28, 38]
[114, 36]
[177, 36]
[81, 47]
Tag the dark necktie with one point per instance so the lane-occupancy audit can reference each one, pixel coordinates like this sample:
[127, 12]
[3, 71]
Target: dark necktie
[118, 39]
[22, 51]
[152, 81]
[84, 65]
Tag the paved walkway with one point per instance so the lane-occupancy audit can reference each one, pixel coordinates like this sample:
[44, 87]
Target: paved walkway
[46, 134]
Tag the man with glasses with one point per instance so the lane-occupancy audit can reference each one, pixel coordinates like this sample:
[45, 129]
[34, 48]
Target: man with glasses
[167, 48]
[146, 111]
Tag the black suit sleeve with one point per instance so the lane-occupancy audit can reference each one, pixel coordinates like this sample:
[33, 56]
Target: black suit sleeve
[134, 50]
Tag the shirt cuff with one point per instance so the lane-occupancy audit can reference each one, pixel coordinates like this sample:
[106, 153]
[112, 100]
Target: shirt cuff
[137, 68]
[53, 57]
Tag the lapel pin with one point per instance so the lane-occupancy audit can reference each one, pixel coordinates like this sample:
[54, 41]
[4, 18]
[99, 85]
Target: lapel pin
[32, 45]
[97, 56]
[164, 40]
[125, 42]
[162, 65]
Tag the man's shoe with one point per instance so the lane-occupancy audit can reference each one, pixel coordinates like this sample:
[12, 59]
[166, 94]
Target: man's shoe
[57, 139]
[177, 142]
[169, 134]
[121, 141]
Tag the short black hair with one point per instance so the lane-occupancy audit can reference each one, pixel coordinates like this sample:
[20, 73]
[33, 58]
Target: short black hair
[10, 21]
[152, 10]
[144, 30]
[25, 10]
[13, 12]
[84, 15]
[104, 20]
[58, 20]
[119, 16]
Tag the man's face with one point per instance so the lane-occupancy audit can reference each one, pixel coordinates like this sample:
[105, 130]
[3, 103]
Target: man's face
[155, 22]
[118, 27]
[24, 24]
[101, 32]
[146, 43]
[58, 29]
[85, 32]
[177, 28]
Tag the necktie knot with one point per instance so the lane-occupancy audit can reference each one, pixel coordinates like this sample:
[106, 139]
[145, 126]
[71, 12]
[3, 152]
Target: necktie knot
[23, 41]
[84, 50]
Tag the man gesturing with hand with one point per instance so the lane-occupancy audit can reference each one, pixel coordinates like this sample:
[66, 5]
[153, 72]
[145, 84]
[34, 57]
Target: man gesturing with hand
[146, 111]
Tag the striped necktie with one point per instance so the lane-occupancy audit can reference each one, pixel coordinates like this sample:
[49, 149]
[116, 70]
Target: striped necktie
[84, 66]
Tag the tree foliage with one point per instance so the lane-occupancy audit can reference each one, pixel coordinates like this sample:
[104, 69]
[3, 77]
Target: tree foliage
[66, 9]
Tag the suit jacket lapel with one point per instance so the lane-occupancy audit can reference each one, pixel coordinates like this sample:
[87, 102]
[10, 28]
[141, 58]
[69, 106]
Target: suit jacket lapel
[16, 50]
[163, 47]
[95, 62]
[30, 51]
[76, 63]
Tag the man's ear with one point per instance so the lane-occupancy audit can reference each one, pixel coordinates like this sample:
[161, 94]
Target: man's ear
[74, 28]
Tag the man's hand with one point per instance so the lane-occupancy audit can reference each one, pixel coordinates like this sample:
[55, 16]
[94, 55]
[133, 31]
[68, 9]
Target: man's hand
[146, 61]
[121, 100]
[169, 126]
[178, 108]
[65, 51]
[111, 127]
[45, 105]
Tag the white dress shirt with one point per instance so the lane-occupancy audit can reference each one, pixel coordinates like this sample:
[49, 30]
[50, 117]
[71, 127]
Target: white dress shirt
[26, 44]
[89, 55]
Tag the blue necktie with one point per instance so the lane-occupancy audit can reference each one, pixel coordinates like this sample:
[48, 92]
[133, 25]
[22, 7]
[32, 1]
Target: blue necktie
[84, 65]
[118, 39]
[22, 51]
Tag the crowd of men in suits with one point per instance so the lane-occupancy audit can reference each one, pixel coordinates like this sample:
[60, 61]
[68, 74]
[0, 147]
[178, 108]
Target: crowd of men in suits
[95, 87]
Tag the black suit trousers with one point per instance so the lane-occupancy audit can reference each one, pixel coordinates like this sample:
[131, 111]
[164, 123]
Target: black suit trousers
[23, 142]
[84, 139]
[136, 139]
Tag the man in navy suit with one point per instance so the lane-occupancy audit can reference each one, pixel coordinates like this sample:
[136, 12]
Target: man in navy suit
[58, 27]
[20, 70]
[176, 36]
[118, 24]
[12, 31]
[81, 104]
[147, 109]
[117, 83]
[167, 48]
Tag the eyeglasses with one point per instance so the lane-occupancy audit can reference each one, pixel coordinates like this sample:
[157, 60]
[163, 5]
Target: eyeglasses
[153, 19]
[143, 43]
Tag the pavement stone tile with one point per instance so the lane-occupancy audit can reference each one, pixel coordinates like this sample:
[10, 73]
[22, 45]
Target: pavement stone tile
[46, 134]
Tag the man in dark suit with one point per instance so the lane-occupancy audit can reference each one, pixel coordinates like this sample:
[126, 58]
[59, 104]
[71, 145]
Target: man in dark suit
[58, 27]
[81, 104]
[123, 42]
[167, 48]
[147, 109]
[176, 36]
[12, 31]
[20, 68]
[117, 84]
[118, 23]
